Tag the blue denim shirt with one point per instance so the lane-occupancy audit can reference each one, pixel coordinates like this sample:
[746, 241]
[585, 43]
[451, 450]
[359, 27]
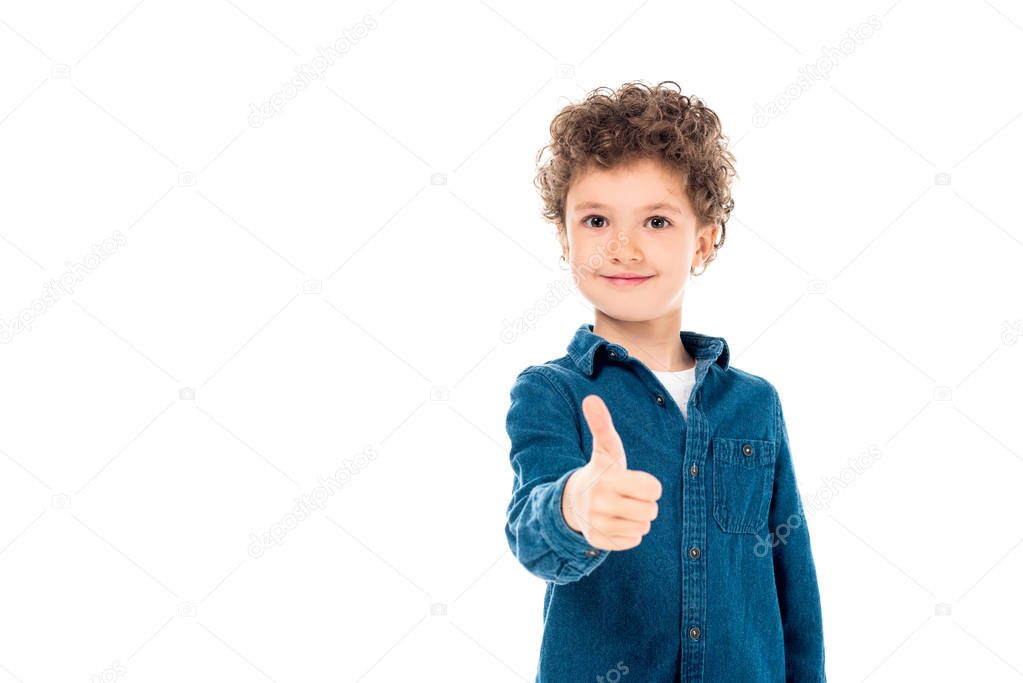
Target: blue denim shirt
[723, 587]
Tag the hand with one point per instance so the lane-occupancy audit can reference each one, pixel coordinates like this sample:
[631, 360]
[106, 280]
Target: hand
[610, 504]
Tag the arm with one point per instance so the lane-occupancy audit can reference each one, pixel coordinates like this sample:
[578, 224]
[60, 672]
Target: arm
[794, 571]
[545, 451]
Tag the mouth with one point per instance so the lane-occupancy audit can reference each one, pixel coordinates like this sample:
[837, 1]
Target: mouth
[627, 281]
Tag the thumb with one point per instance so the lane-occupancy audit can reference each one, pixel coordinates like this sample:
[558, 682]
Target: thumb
[608, 450]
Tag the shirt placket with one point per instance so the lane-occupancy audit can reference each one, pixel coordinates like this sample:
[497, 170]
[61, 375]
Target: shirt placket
[694, 534]
[694, 433]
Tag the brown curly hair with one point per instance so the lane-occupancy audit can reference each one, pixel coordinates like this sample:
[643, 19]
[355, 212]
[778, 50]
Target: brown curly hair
[638, 121]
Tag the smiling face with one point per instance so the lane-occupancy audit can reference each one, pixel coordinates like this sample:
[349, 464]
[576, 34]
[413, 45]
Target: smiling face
[634, 219]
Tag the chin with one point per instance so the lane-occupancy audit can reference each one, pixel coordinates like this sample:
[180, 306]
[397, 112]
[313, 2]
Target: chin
[622, 310]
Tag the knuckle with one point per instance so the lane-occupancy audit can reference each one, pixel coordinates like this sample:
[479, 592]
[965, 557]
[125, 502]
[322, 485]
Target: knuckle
[623, 542]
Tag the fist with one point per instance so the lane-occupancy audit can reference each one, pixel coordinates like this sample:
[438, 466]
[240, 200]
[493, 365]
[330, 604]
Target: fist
[610, 504]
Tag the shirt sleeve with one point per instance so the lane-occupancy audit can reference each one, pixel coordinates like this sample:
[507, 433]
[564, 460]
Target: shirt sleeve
[545, 451]
[795, 574]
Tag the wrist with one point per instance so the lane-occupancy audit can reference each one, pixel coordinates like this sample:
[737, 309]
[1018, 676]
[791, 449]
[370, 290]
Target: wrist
[567, 501]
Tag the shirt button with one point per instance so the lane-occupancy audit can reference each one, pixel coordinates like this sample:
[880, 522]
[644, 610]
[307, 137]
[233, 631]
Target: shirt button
[694, 633]
[660, 400]
[747, 449]
[694, 553]
[591, 553]
[613, 354]
[694, 470]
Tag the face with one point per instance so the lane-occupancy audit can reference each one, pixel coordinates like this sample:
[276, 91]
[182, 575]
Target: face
[634, 219]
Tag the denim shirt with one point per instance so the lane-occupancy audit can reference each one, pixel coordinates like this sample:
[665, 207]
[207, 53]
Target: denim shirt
[723, 587]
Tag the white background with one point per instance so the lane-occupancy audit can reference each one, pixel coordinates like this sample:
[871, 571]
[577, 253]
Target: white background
[327, 295]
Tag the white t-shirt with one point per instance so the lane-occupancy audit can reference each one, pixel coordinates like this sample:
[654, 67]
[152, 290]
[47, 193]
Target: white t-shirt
[679, 385]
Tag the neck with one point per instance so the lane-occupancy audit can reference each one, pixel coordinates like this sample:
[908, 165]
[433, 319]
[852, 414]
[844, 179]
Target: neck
[654, 342]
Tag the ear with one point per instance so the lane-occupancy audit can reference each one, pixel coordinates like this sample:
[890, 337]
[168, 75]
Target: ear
[707, 238]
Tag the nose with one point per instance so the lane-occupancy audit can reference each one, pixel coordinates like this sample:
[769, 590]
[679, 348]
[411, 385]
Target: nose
[624, 246]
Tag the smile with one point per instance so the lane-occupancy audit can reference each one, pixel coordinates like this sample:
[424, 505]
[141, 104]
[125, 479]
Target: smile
[627, 281]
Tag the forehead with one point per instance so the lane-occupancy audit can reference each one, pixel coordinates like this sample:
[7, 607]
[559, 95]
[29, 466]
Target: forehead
[638, 183]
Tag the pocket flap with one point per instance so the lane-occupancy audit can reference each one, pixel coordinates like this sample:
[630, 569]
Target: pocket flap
[751, 452]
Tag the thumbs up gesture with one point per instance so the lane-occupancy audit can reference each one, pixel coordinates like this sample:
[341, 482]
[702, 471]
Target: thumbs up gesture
[610, 504]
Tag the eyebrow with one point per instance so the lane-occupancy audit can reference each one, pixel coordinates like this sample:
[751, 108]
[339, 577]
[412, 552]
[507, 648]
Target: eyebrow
[649, 207]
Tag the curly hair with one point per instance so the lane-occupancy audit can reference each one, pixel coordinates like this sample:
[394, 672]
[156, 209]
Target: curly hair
[636, 121]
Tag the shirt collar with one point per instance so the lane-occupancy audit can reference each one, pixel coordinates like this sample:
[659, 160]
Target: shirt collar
[585, 345]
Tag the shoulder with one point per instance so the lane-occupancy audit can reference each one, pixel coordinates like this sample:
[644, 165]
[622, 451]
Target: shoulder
[559, 370]
[541, 378]
[545, 381]
[750, 386]
[739, 376]
[745, 404]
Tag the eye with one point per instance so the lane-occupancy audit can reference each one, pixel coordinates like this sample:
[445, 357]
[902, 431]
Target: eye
[664, 222]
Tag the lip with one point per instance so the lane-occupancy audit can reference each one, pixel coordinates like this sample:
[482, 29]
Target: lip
[627, 279]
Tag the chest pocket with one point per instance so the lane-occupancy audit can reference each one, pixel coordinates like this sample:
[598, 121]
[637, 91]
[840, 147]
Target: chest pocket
[743, 483]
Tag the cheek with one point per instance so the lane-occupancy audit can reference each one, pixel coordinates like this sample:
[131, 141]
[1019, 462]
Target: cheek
[673, 271]
[586, 246]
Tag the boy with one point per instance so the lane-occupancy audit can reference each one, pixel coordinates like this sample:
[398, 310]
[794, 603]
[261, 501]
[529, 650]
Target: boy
[672, 539]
